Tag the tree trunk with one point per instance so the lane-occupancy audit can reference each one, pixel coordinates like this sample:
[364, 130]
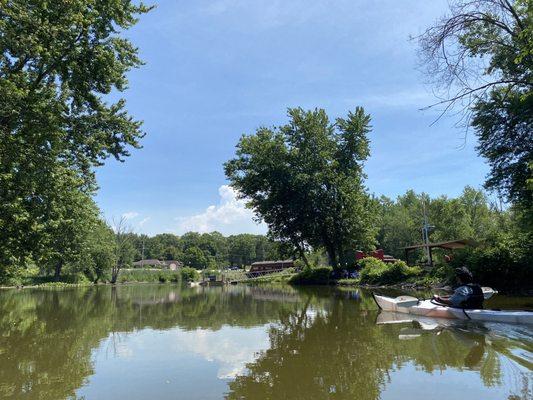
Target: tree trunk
[332, 254]
[114, 274]
[57, 273]
[304, 258]
[301, 251]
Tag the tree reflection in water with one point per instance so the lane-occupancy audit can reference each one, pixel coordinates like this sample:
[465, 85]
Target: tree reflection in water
[341, 353]
[323, 343]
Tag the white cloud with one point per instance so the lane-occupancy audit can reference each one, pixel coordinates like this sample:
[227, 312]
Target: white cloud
[229, 348]
[230, 216]
[130, 215]
[144, 221]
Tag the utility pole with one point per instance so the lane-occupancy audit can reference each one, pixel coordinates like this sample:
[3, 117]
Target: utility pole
[142, 251]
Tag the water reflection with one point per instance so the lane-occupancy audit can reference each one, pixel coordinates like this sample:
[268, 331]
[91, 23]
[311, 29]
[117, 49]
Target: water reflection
[240, 342]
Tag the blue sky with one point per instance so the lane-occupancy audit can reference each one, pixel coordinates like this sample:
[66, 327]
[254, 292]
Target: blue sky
[218, 69]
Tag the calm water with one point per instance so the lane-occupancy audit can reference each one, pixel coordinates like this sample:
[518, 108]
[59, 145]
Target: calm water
[240, 342]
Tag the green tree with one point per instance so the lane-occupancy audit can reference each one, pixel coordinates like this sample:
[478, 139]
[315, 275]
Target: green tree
[242, 249]
[467, 216]
[124, 248]
[98, 257]
[482, 53]
[400, 223]
[164, 246]
[305, 180]
[194, 257]
[215, 246]
[58, 61]
[67, 227]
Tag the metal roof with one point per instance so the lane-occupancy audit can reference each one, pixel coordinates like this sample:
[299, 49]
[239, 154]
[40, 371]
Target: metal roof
[452, 244]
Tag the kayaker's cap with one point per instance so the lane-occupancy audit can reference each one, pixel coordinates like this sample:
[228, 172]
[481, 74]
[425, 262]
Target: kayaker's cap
[463, 272]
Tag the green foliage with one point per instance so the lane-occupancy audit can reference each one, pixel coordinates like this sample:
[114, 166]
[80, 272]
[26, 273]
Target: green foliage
[195, 258]
[498, 91]
[312, 276]
[189, 274]
[503, 123]
[467, 216]
[149, 276]
[502, 262]
[207, 250]
[376, 272]
[99, 253]
[300, 265]
[440, 275]
[158, 275]
[59, 61]
[305, 180]
[278, 277]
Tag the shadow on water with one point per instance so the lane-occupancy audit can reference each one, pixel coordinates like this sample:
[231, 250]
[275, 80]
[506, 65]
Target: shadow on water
[320, 343]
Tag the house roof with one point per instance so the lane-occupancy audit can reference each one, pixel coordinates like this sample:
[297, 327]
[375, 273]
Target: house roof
[148, 262]
[154, 261]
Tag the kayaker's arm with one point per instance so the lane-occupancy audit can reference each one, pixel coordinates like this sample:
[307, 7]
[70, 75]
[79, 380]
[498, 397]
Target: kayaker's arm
[442, 300]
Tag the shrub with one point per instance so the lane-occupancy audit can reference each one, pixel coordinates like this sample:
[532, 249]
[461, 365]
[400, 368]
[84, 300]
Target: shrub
[299, 265]
[312, 276]
[376, 272]
[189, 274]
[503, 262]
[149, 275]
[77, 278]
[11, 275]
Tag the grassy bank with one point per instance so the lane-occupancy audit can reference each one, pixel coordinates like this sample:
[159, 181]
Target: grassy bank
[155, 275]
[125, 276]
[279, 277]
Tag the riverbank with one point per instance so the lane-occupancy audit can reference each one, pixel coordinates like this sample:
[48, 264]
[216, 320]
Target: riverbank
[267, 279]
[424, 282]
[125, 276]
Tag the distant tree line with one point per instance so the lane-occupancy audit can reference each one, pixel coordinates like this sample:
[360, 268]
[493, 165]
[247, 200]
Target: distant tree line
[207, 250]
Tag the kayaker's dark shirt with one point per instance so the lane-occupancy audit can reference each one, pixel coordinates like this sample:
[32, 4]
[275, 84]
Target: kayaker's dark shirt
[462, 295]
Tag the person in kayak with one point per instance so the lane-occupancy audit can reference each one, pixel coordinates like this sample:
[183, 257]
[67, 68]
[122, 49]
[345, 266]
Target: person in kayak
[466, 295]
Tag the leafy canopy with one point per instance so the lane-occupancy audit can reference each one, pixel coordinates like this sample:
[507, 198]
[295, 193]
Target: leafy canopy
[58, 62]
[305, 180]
[481, 55]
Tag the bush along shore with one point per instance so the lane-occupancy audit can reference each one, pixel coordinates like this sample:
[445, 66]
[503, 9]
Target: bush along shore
[374, 273]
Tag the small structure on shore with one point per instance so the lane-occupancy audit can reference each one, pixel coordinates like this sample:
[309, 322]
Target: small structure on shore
[449, 245]
[266, 266]
[379, 254]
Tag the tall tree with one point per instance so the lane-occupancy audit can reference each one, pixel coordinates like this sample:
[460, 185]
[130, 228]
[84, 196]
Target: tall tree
[481, 55]
[58, 61]
[305, 180]
[124, 248]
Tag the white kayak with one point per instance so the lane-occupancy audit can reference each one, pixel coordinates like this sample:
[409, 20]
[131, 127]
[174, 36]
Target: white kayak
[426, 308]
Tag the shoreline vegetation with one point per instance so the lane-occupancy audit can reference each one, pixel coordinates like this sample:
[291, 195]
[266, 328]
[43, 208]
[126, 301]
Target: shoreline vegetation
[372, 276]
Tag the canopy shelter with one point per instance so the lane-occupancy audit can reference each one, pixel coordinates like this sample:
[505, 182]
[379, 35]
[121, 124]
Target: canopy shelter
[450, 245]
